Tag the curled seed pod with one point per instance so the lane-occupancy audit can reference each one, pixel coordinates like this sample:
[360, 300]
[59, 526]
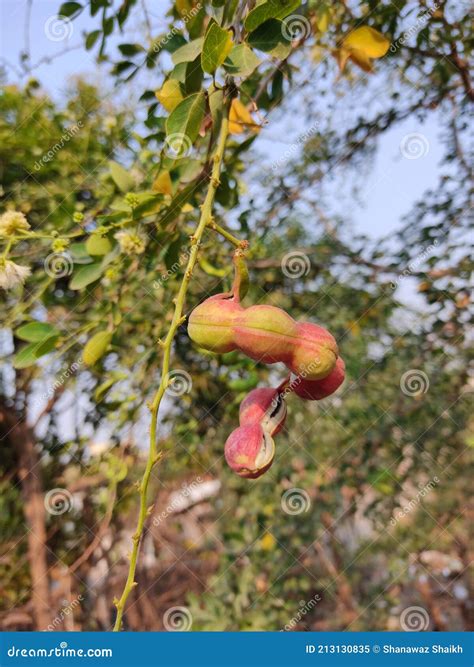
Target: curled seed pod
[315, 390]
[249, 450]
[265, 406]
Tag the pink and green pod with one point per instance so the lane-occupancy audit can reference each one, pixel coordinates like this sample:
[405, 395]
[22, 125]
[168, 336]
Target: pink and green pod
[211, 324]
[315, 390]
[249, 450]
[316, 352]
[264, 333]
[265, 406]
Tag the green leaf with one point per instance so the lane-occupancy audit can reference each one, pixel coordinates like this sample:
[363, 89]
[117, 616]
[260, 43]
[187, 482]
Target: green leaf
[241, 61]
[187, 117]
[98, 245]
[176, 204]
[102, 389]
[96, 347]
[79, 253]
[193, 76]
[70, 9]
[92, 38]
[35, 332]
[121, 177]
[216, 105]
[272, 9]
[130, 49]
[216, 48]
[86, 275]
[269, 38]
[188, 52]
[147, 205]
[28, 355]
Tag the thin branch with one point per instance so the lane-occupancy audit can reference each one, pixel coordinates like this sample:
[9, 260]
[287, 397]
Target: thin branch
[153, 455]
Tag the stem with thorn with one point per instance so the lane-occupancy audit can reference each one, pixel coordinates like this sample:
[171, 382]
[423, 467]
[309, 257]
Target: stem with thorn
[154, 456]
[238, 243]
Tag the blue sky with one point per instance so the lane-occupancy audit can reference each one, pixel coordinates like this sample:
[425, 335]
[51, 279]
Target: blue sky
[387, 192]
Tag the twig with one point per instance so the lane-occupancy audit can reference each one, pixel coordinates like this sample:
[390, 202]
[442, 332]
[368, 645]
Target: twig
[153, 455]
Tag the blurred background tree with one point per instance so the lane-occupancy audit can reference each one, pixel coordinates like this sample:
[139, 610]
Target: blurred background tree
[364, 512]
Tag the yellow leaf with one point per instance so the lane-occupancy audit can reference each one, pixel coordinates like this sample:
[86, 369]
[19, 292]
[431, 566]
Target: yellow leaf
[170, 94]
[361, 45]
[268, 542]
[96, 347]
[353, 327]
[322, 22]
[162, 183]
[240, 118]
[368, 40]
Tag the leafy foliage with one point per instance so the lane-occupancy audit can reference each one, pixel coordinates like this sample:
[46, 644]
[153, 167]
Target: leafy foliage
[111, 206]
